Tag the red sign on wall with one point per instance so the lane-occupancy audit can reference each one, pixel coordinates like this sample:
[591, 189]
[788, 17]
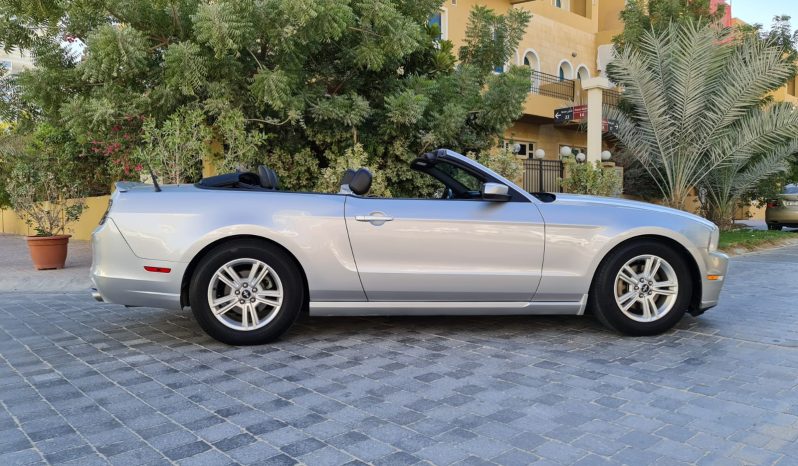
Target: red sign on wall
[580, 112]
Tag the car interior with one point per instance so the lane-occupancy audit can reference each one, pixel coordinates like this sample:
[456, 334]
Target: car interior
[458, 181]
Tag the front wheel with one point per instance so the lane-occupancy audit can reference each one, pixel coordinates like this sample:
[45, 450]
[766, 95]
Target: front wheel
[246, 292]
[642, 288]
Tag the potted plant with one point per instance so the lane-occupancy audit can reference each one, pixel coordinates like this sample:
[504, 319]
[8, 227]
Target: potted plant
[48, 202]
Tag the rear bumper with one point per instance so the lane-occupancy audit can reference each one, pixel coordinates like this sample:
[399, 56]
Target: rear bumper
[119, 277]
[781, 215]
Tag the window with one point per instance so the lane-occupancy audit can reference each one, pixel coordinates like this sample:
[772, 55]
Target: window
[582, 73]
[5, 65]
[565, 70]
[532, 61]
[465, 178]
[452, 181]
[523, 149]
[564, 4]
[574, 150]
[440, 21]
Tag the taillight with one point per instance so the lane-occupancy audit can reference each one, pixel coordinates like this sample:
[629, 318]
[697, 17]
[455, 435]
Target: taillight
[773, 203]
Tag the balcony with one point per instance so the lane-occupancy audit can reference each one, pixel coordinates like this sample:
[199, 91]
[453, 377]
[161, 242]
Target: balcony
[549, 92]
[552, 86]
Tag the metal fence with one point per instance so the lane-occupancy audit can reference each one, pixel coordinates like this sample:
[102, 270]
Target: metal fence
[552, 86]
[542, 176]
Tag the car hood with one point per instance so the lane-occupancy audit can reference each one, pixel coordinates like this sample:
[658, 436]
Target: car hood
[629, 204]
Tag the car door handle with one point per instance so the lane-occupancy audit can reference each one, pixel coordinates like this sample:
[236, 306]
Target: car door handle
[373, 218]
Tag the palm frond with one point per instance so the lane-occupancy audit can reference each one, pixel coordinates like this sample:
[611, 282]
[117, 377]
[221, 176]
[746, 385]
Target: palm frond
[694, 112]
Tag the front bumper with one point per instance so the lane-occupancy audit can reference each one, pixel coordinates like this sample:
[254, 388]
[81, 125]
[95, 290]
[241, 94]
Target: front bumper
[716, 264]
[119, 277]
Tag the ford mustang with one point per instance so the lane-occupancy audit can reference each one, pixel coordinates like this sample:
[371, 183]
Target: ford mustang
[248, 258]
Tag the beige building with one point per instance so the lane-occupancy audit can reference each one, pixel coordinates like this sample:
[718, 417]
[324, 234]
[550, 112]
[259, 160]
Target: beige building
[567, 41]
[14, 61]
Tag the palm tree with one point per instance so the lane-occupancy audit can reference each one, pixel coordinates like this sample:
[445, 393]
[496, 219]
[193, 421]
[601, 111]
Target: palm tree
[723, 188]
[695, 102]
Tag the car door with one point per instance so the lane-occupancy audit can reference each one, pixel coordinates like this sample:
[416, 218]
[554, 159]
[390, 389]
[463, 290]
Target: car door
[445, 249]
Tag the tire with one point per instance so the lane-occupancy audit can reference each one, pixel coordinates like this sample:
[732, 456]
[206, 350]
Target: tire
[609, 289]
[246, 317]
[774, 226]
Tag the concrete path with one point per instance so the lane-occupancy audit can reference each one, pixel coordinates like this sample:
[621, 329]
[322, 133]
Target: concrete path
[17, 272]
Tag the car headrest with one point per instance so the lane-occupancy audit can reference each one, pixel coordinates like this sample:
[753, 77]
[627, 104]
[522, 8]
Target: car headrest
[268, 178]
[360, 182]
[348, 175]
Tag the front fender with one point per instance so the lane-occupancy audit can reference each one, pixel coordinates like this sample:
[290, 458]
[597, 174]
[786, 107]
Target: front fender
[580, 234]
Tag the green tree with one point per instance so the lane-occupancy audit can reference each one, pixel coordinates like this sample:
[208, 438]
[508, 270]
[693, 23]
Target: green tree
[695, 106]
[641, 16]
[780, 34]
[274, 79]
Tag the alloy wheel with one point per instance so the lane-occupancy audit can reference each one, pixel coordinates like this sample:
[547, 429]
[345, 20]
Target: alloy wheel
[646, 288]
[245, 294]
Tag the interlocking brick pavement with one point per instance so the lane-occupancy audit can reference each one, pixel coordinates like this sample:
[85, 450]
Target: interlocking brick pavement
[89, 383]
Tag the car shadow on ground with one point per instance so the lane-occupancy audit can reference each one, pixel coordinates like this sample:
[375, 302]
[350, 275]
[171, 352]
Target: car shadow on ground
[466, 328]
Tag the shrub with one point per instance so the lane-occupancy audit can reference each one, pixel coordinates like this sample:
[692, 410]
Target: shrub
[47, 199]
[590, 178]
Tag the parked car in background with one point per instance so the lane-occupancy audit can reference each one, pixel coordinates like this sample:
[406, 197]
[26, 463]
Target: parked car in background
[248, 258]
[783, 211]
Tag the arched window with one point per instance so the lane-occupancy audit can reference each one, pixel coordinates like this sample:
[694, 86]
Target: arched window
[582, 73]
[532, 61]
[565, 70]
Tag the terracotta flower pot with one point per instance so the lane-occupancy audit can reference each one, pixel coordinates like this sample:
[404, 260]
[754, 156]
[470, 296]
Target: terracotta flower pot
[48, 252]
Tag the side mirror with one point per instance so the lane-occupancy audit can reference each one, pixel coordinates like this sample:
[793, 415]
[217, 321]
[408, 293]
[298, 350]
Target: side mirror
[495, 192]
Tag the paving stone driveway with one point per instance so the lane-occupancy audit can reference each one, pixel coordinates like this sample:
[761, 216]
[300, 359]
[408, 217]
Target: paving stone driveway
[88, 383]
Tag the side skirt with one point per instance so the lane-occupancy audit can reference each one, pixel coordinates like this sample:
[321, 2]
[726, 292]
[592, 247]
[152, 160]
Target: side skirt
[414, 308]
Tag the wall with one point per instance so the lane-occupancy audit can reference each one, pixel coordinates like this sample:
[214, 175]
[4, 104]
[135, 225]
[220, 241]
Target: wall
[547, 137]
[11, 223]
[609, 11]
[556, 35]
[457, 17]
[18, 61]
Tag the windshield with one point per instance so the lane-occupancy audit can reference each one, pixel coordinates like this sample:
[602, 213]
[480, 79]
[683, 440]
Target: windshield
[467, 179]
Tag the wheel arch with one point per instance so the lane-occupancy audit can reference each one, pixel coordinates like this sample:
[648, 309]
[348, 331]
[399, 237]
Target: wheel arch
[692, 263]
[192, 265]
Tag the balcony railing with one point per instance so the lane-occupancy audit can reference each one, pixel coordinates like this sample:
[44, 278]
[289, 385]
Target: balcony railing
[611, 97]
[552, 86]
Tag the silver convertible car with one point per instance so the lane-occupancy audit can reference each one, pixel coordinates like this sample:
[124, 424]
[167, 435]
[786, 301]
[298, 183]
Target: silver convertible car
[249, 258]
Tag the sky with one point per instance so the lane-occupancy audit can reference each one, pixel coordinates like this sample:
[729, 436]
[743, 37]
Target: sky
[763, 11]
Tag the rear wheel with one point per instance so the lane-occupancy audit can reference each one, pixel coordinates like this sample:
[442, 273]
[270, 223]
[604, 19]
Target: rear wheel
[246, 292]
[643, 288]
[774, 226]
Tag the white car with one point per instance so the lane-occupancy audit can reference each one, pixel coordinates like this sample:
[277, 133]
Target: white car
[248, 258]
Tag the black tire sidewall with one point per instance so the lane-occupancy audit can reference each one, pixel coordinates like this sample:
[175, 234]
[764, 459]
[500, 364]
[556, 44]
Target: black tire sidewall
[279, 261]
[602, 293]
